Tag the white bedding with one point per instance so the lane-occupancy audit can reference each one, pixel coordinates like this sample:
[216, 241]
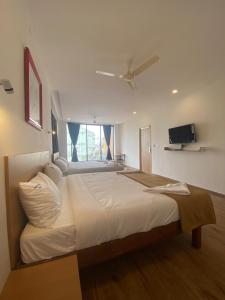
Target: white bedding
[42, 243]
[97, 208]
[92, 166]
[88, 164]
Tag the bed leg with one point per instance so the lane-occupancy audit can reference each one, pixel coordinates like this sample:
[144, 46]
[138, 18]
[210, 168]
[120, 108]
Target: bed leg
[197, 237]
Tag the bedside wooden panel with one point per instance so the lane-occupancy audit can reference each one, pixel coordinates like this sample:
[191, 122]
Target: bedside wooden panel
[54, 280]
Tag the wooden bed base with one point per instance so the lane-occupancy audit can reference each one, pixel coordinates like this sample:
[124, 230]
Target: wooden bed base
[197, 237]
[106, 251]
[23, 168]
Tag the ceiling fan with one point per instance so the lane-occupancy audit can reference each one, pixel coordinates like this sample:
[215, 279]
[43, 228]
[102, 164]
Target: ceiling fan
[130, 75]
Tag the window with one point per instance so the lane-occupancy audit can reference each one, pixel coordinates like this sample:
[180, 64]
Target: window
[91, 143]
[82, 143]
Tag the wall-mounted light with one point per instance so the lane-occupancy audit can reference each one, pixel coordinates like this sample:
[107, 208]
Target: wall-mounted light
[7, 86]
[49, 131]
[175, 91]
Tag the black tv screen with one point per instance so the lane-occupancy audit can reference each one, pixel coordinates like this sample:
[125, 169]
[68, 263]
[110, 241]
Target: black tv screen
[182, 134]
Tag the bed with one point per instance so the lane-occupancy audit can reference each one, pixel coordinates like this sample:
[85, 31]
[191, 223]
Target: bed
[91, 166]
[98, 221]
[97, 208]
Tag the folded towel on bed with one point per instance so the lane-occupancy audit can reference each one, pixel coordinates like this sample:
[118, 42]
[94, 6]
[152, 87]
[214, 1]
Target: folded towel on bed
[179, 188]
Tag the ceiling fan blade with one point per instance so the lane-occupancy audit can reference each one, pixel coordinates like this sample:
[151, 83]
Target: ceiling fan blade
[146, 65]
[105, 73]
[132, 84]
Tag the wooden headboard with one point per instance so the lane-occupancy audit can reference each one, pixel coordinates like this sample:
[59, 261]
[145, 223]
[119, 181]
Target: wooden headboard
[19, 168]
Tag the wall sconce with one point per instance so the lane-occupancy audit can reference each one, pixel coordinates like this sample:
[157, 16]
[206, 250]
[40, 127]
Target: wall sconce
[7, 86]
[50, 132]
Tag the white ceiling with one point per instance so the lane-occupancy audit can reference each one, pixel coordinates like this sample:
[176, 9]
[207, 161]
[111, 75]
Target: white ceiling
[76, 38]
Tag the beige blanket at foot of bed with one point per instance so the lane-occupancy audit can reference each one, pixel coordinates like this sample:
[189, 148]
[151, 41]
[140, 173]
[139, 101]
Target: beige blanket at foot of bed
[195, 209]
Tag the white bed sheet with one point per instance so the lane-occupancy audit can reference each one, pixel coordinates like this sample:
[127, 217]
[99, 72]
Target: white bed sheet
[88, 164]
[99, 207]
[81, 167]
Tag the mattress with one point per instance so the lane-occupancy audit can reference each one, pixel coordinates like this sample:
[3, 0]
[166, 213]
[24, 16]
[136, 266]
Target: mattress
[98, 207]
[92, 167]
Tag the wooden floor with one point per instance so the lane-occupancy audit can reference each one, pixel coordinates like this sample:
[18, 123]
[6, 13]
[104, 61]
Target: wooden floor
[169, 270]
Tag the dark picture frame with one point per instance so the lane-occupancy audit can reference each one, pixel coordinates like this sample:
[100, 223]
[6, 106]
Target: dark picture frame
[33, 92]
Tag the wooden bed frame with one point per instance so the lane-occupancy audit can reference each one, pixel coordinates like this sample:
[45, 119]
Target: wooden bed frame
[25, 166]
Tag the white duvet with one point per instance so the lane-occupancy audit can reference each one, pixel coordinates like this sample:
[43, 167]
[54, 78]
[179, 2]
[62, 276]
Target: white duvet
[81, 167]
[98, 207]
[88, 164]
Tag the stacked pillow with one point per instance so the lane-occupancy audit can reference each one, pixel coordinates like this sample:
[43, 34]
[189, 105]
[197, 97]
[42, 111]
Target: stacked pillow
[62, 163]
[40, 198]
[65, 160]
[53, 172]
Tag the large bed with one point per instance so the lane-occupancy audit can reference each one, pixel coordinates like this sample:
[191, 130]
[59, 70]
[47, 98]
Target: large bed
[103, 215]
[97, 208]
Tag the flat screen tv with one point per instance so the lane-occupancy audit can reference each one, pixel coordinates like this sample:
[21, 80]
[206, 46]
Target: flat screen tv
[183, 134]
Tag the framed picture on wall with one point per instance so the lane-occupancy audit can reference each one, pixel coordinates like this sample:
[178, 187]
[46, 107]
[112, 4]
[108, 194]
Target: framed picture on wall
[33, 92]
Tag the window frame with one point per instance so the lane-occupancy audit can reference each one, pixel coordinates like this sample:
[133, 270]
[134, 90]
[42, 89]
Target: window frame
[100, 142]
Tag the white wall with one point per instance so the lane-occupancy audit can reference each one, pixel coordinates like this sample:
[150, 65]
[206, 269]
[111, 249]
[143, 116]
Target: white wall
[16, 136]
[205, 108]
[117, 145]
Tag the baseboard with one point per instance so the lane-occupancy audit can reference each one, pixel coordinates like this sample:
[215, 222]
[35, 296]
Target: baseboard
[208, 191]
[215, 193]
[131, 168]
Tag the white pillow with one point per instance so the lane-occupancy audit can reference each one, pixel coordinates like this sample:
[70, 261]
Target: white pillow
[41, 200]
[53, 172]
[42, 178]
[65, 160]
[61, 164]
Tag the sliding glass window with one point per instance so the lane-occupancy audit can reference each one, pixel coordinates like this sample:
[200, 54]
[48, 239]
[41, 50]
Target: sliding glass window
[91, 143]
